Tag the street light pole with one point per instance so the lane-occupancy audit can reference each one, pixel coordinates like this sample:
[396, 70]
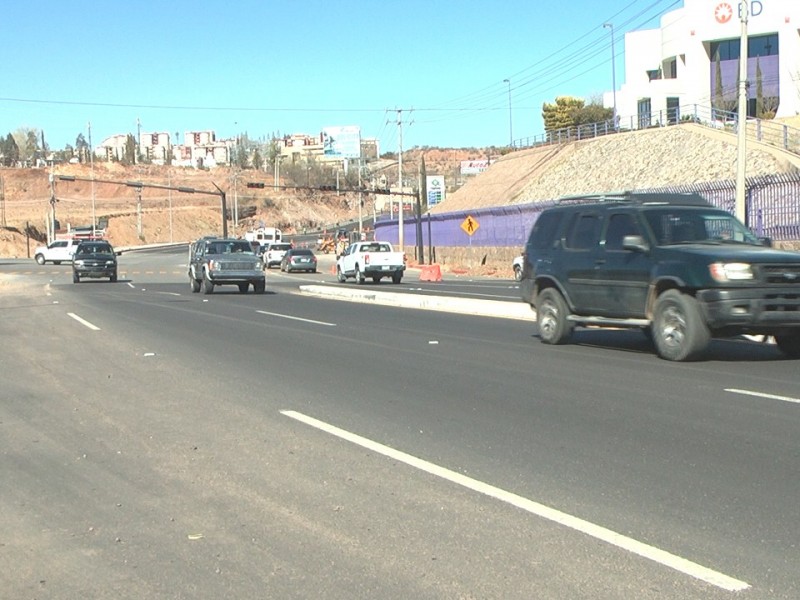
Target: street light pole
[613, 71]
[510, 130]
[740, 208]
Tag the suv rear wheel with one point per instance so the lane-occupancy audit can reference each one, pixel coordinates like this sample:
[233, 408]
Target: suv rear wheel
[551, 314]
[678, 329]
[789, 344]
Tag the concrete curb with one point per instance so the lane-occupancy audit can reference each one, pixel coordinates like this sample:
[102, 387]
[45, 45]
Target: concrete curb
[464, 306]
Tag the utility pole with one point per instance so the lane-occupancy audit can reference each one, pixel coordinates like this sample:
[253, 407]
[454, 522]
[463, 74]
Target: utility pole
[91, 161]
[138, 140]
[741, 181]
[510, 130]
[2, 202]
[400, 240]
[139, 211]
[360, 202]
[613, 71]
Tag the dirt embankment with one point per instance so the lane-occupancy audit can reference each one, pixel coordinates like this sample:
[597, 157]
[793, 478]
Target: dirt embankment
[172, 215]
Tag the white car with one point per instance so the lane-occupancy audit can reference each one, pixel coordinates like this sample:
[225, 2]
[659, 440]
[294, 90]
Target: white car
[57, 251]
[516, 264]
[274, 253]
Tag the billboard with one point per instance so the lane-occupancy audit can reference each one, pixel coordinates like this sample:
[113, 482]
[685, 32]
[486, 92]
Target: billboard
[435, 188]
[341, 142]
[473, 167]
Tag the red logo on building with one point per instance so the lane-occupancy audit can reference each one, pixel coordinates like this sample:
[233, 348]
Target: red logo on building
[723, 13]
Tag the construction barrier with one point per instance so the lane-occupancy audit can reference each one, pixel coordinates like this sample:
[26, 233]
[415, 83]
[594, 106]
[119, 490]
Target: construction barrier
[430, 273]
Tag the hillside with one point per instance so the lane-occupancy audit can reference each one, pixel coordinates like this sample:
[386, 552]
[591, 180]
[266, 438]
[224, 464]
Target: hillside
[27, 195]
[648, 158]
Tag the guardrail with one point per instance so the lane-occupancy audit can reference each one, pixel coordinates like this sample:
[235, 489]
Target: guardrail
[766, 131]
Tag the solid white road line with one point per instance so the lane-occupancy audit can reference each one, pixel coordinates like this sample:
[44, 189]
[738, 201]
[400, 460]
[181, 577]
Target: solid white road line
[763, 395]
[601, 533]
[272, 314]
[84, 322]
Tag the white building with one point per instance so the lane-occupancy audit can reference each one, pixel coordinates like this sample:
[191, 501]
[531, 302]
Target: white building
[690, 64]
[156, 146]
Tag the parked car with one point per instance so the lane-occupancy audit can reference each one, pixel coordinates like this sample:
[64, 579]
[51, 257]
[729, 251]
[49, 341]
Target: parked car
[516, 265]
[225, 261]
[670, 264]
[94, 259]
[57, 251]
[274, 252]
[299, 259]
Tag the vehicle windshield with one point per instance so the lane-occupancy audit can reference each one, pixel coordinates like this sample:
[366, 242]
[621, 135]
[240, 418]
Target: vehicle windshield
[230, 247]
[95, 249]
[692, 226]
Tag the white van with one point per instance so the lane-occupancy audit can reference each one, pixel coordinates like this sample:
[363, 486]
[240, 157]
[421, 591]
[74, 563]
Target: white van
[264, 235]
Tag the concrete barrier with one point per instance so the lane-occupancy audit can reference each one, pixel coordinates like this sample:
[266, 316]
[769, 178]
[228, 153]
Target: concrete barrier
[430, 273]
[464, 306]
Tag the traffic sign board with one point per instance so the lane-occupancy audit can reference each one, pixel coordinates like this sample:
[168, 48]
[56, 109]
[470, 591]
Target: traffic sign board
[470, 225]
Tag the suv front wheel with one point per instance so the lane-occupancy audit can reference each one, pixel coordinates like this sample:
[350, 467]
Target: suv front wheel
[551, 314]
[678, 329]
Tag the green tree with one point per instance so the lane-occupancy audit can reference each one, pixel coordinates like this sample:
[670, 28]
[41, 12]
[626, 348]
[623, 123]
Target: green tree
[9, 151]
[82, 148]
[592, 113]
[561, 114]
[257, 161]
[129, 155]
[31, 145]
[240, 158]
[273, 150]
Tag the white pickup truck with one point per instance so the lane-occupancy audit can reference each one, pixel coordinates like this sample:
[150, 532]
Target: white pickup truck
[370, 259]
[57, 251]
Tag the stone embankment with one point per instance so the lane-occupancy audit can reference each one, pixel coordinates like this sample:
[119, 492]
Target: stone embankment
[652, 158]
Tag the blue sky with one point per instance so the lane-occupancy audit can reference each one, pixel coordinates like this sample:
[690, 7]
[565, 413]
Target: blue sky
[260, 67]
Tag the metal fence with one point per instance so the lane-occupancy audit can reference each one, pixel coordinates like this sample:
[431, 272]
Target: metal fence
[772, 209]
[761, 130]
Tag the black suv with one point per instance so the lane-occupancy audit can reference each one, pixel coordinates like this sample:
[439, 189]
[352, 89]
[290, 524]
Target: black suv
[670, 264]
[94, 259]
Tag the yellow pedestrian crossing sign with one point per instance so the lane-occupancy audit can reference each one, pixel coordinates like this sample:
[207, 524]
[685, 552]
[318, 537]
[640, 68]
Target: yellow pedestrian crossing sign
[470, 225]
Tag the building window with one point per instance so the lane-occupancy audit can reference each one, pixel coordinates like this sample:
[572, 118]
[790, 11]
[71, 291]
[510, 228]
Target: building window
[673, 110]
[763, 45]
[654, 74]
[758, 45]
[671, 68]
[644, 111]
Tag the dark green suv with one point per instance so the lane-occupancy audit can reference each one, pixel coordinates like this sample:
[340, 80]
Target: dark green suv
[670, 264]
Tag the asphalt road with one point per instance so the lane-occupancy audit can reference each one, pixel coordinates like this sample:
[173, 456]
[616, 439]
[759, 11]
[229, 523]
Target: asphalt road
[163, 444]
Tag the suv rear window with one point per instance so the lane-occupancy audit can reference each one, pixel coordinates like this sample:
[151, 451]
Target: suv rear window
[584, 231]
[544, 230]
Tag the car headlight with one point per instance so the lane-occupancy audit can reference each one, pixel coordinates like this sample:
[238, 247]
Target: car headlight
[110, 263]
[725, 272]
[213, 265]
[79, 263]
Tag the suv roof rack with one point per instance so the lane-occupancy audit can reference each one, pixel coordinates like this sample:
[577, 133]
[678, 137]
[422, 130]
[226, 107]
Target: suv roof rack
[641, 198]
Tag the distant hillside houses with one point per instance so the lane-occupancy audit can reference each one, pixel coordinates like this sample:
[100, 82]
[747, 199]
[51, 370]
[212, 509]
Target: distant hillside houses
[199, 149]
[202, 149]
